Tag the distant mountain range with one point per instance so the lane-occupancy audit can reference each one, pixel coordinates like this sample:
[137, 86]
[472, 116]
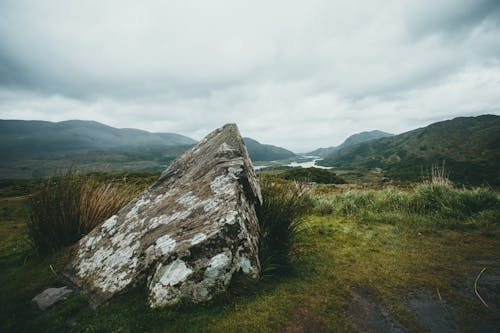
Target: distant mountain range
[469, 146]
[40, 148]
[20, 138]
[351, 140]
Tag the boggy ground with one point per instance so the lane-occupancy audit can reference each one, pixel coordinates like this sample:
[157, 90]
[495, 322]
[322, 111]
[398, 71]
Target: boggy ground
[352, 273]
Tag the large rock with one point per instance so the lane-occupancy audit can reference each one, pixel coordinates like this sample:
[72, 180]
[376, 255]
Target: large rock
[189, 233]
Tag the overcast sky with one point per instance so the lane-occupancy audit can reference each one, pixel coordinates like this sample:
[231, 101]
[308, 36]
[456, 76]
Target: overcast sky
[298, 74]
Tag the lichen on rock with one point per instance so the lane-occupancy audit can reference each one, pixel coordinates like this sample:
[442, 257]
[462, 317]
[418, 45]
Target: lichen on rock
[188, 234]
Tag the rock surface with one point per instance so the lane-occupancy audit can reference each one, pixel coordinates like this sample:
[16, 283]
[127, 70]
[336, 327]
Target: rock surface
[188, 234]
[49, 297]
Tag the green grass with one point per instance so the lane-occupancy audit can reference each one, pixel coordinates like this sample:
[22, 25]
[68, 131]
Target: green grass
[394, 252]
[428, 204]
[315, 175]
[281, 218]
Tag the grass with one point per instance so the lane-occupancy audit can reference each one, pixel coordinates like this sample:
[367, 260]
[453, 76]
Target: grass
[68, 206]
[280, 218]
[315, 175]
[370, 240]
[429, 204]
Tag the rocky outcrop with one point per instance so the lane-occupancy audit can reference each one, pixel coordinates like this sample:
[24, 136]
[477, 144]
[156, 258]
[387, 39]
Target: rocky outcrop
[187, 235]
[49, 297]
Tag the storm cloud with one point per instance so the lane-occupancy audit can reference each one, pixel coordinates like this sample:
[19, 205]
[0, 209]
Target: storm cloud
[299, 74]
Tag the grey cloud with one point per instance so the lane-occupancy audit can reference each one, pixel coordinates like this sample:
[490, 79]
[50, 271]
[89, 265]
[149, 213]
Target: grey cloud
[452, 17]
[298, 74]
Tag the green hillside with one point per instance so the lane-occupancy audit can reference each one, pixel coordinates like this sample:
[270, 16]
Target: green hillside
[351, 140]
[468, 145]
[27, 139]
[264, 152]
[41, 148]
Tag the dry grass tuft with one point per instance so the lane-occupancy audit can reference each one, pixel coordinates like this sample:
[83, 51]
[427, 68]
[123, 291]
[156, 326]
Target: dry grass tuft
[68, 206]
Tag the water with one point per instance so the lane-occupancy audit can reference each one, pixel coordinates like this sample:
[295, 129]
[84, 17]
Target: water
[311, 163]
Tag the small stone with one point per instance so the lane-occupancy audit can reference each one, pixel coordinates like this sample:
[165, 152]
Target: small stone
[190, 232]
[49, 297]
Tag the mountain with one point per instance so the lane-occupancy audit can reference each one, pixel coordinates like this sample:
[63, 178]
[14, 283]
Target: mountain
[469, 146]
[352, 140]
[264, 152]
[41, 148]
[19, 138]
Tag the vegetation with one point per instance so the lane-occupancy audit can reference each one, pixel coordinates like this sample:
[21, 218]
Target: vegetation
[263, 152]
[389, 258]
[281, 216]
[40, 148]
[427, 205]
[469, 145]
[68, 206]
[351, 140]
[315, 175]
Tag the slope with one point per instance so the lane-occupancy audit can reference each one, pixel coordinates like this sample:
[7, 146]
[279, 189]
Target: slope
[351, 140]
[468, 145]
[264, 152]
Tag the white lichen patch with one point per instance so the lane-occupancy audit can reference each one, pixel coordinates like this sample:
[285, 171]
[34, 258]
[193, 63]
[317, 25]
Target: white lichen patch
[91, 241]
[198, 238]
[211, 205]
[142, 201]
[114, 283]
[91, 264]
[188, 200]
[245, 265]
[110, 268]
[109, 224]
[231, 217]
[234, 171]
[132, 225]
[224, 147]
[165, 195]
[222, 185]
[122, 241]
[175, 272]
[216, 269]
[166, 219]
[165, 244]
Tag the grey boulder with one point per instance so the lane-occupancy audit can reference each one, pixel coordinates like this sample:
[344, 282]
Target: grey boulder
[49, 297]
[188, 235]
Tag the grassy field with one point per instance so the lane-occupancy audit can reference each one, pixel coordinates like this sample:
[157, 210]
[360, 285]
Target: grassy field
[381, 260]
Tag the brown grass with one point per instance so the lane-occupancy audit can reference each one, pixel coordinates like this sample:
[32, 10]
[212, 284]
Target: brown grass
[68, 206]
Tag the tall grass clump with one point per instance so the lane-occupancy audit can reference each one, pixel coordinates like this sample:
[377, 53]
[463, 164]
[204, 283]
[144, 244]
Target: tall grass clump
[437, 202]
[68, 206]
[446, 201]
[284, 206]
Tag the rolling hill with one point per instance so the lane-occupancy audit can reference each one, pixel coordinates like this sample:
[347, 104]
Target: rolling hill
[265, 152]
[351, 140]
[470, 147]
[19, 138]
[41, 148]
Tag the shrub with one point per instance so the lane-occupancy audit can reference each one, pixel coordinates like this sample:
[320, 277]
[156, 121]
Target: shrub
[68, 206]
[315, 175]
[280, 218]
